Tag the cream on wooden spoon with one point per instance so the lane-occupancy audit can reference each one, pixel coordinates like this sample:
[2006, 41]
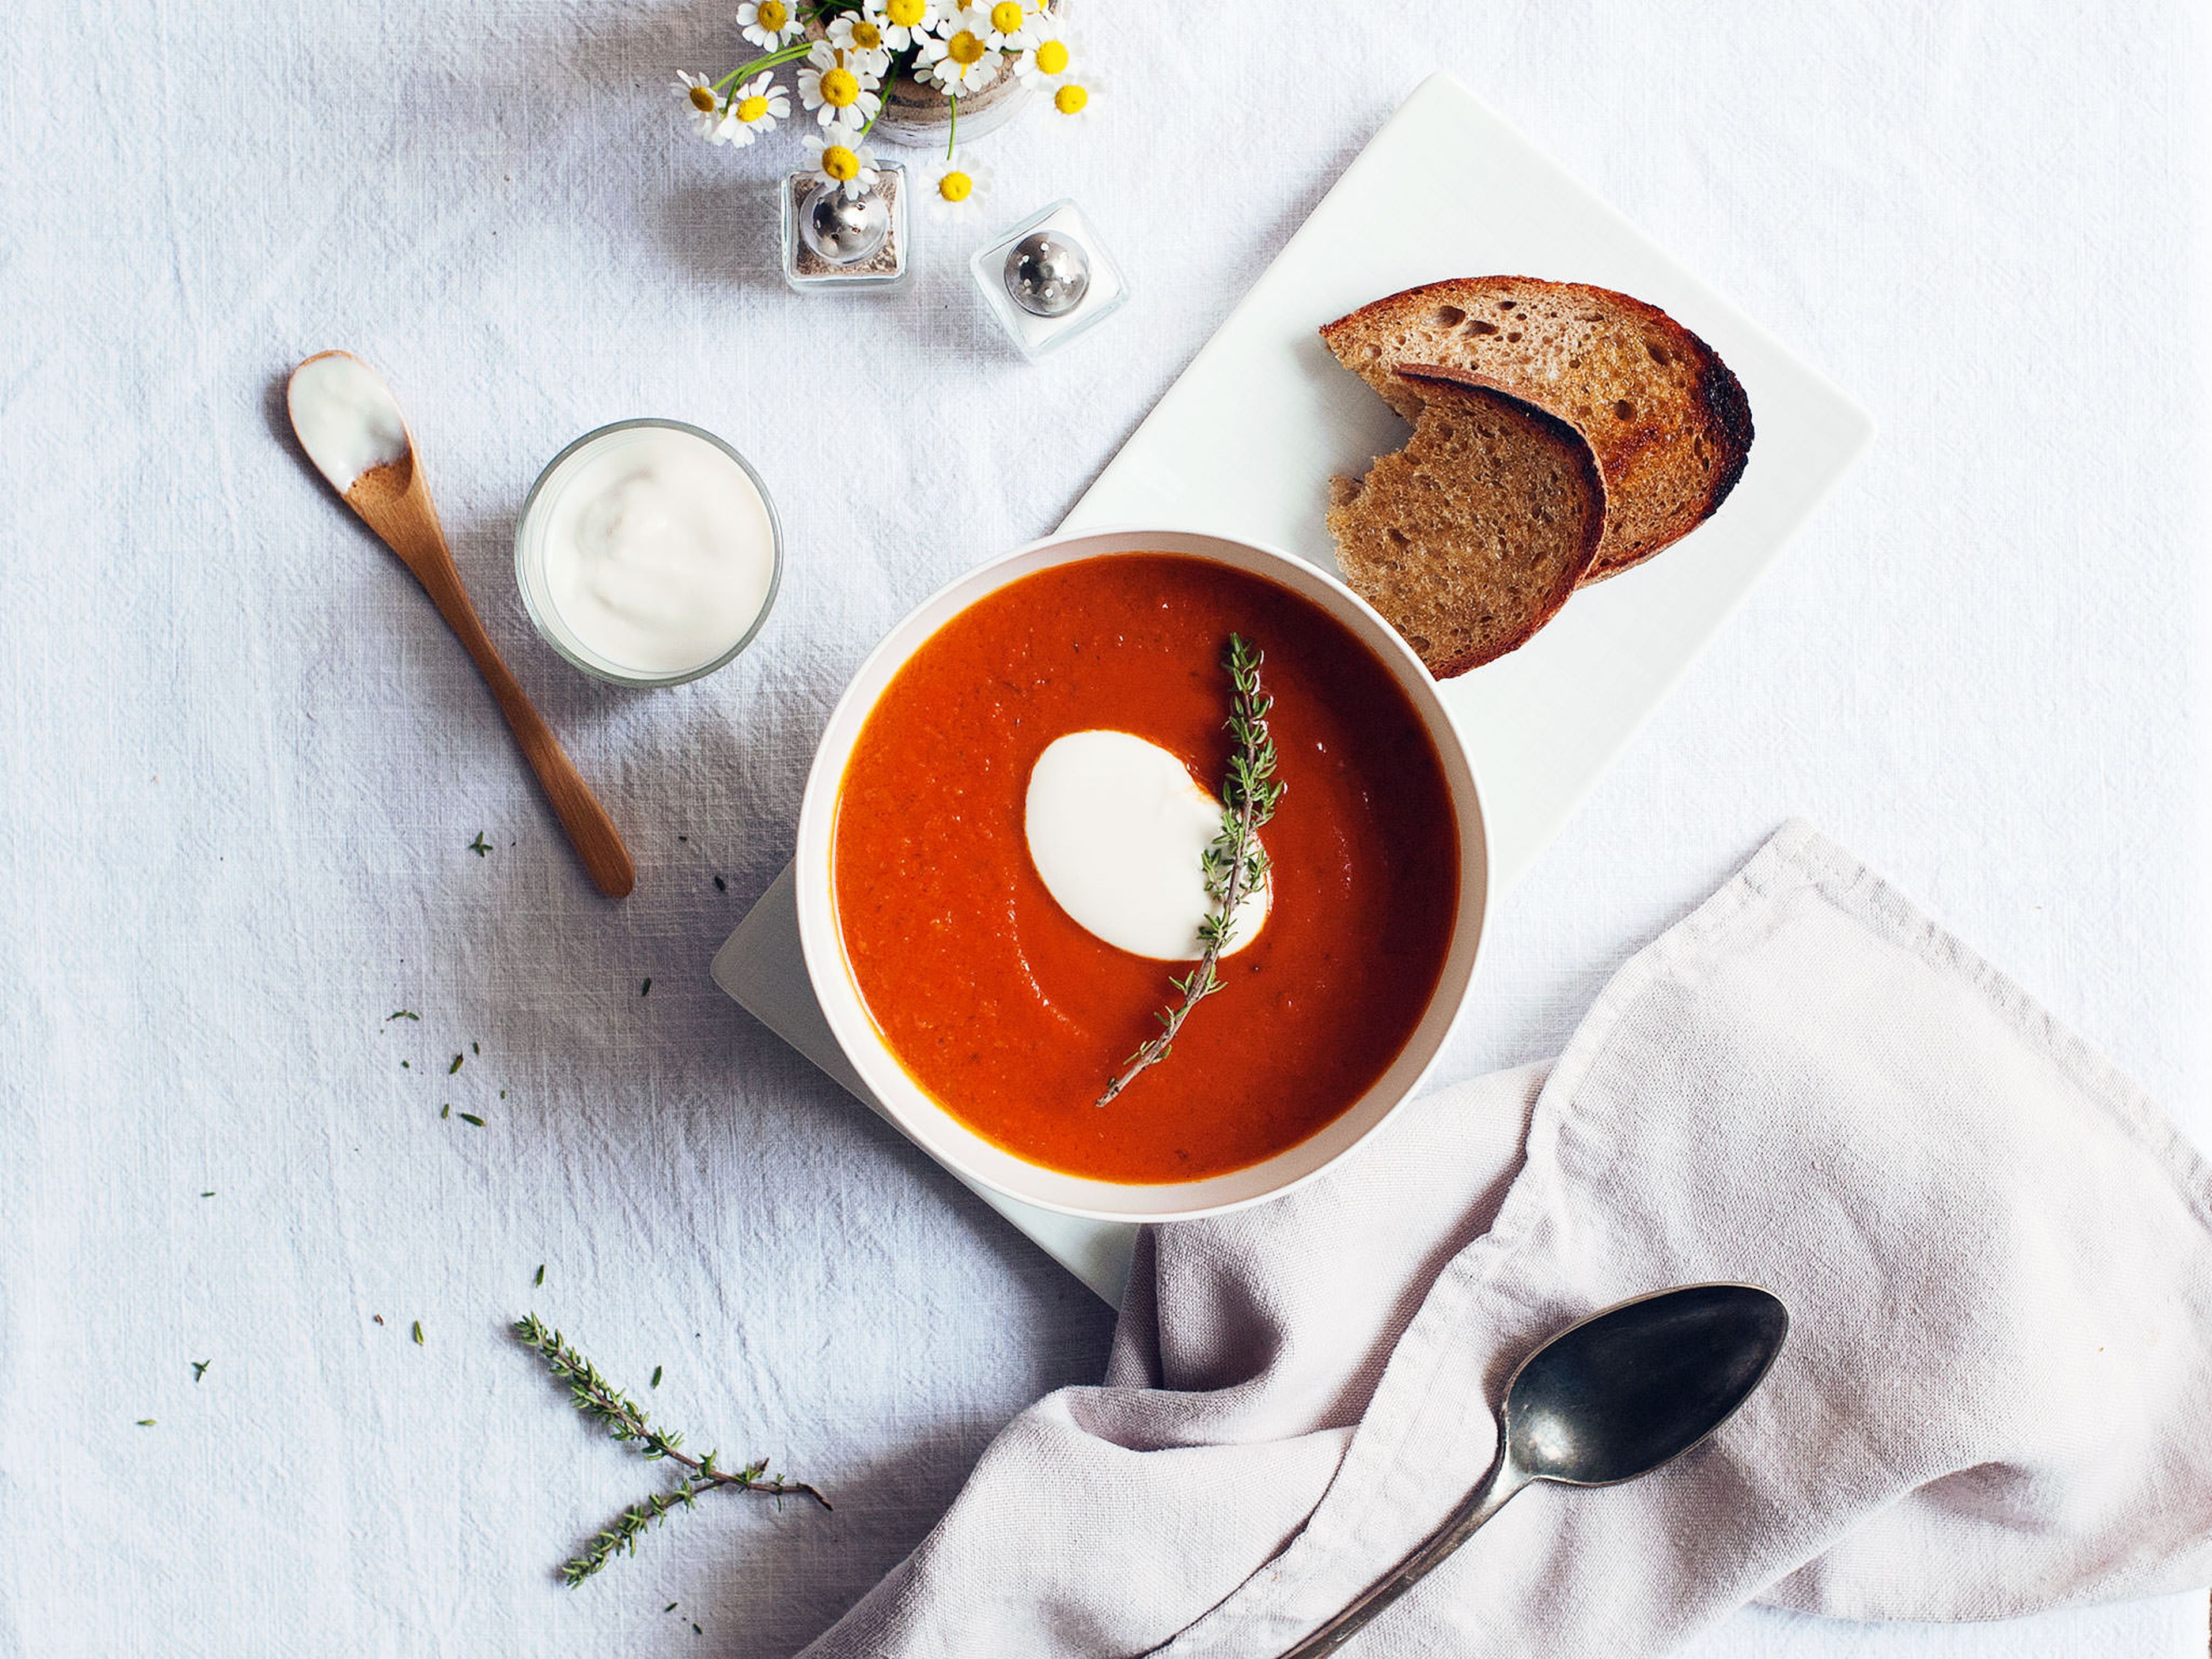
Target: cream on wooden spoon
[347, 419]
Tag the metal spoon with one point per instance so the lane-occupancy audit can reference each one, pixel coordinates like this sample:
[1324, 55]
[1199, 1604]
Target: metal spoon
[375, 473]
[1604, 1402]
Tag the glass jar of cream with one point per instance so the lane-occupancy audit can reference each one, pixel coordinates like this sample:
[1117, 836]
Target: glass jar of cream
[648, 553]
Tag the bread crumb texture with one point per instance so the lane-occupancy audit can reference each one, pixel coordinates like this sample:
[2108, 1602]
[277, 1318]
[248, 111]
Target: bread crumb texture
[1471, 538]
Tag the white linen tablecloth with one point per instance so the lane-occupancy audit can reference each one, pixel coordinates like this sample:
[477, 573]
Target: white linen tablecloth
[242, 761]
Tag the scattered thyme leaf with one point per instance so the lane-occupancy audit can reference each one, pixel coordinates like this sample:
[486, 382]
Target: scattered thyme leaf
[455, 1067]
[404, 1013]
[696, 1630]
[207, 1194]
[671, 1607]
[199, 1368]
[418, 1334]
[145, 1422]
[540, 1280]
[645, 989]
[471, 1117]
[721, 886]
[656, 1377]
[502, 1094]
[476, 1048]
[480, 846]
[405, 1066]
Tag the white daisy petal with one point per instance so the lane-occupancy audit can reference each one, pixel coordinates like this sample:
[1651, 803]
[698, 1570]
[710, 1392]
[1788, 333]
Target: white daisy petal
[955, 185]
[905, 22]
[1008, 17]
[970, 19]
[969, 55]
[701, 107]
[770, 24]
[754, 109]
[843, 158]
[1047, 53]
[1073, 99]
[860, 36]
[838, 87]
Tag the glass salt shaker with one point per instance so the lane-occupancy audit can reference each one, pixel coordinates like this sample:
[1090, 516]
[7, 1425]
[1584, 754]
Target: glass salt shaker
[1049, 279]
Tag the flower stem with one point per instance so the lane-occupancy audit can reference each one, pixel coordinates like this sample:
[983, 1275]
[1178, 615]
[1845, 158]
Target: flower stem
[952, 127]
[788, 54]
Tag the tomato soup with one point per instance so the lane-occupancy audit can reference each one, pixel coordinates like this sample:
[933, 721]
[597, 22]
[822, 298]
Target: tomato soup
[1014, 1018]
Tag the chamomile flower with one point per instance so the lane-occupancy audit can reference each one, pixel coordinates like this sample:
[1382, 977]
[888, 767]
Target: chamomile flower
[1072, 99]
[842, 156]
[964, 53]
[905, 22]
[1047, 51]
[956, 186]
[1008, 16]
[861, 39]
[838, 89]
[974, 16]
[702, 107]
[770, 23]
[754, 109]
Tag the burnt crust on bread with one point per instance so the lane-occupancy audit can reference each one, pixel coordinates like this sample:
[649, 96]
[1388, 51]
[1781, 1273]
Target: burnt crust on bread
[1669, 422]
[1471, 538]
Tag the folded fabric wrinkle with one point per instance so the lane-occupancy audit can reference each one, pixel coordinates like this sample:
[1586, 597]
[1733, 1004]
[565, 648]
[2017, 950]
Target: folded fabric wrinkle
[1998, 1253]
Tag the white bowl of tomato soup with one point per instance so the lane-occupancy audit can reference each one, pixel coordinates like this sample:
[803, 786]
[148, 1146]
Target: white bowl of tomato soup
[989, 1019]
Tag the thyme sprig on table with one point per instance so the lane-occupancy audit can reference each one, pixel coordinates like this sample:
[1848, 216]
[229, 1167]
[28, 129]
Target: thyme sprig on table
[628, 1422]
[1235, 863]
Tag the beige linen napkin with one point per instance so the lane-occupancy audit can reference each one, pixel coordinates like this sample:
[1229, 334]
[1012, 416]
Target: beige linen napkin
[1997, 1395]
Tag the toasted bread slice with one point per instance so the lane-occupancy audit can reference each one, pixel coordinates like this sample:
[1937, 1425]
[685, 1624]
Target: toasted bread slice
[1670, 424]
[1471, 538]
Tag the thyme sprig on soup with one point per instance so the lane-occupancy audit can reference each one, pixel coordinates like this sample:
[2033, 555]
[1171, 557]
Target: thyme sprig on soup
[1021, 851]
[1234, 864]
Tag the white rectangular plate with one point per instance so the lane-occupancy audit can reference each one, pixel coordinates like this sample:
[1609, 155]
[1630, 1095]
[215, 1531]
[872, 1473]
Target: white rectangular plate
[1245, 442]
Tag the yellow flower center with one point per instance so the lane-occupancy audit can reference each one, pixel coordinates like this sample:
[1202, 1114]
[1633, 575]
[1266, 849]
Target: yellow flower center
[773, 16]
[840, 163]
[955, 186]
[752, 109]
[1070, 99]
[702, 100]
[965, 47]
[907, 14]
[866, 35]
[840, 87]
[1052, 56]
[1006, 17]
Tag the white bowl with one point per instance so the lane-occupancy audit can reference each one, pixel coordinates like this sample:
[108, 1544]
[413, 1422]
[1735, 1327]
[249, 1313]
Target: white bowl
[943, 1136]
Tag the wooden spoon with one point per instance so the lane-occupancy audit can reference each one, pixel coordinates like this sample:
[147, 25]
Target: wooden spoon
[350, 426]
